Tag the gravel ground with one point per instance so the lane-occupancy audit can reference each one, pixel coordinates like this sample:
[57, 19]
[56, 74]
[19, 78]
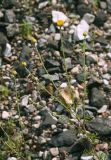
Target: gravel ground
[41, 117]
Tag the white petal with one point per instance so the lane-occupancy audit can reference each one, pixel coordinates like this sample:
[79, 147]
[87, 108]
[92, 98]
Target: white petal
[56, 15]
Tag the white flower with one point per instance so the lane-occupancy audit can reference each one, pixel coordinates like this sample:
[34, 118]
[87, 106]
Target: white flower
[59, 18]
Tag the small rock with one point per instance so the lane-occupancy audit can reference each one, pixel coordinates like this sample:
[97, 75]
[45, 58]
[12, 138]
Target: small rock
[57, 37]
[31, 108]
[83, 8]
[80, 146]
[47, 118]
[75, 70]
[12, 158]
[103, 109]
[24, 101]
[1, 14]
[54, 151]
[65, 138]
[59, 108]
[12, 30]
[97, 97]
[109, 5]
[103, 5]
[5, 115]
[43, 5]
[100, 18]
[54, 77]
[41, 154]
[10, 16]
[42, 140]
[68, 63]
[7, 51]
[100, 125]
[102, 147]
[86, 157]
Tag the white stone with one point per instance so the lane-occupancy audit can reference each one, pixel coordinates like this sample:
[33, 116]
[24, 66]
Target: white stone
[105, 82]
[7, 52]
[57, 36]
[75, 70]
[41, 154]
[54, 2]
[43, 4]
[5, 115]
[63, 85]
[109, 55]
[24, 101]
[53, 126]
[12, 158]
[71, 31]
[87, 158]
[103, 109]
[54, 151]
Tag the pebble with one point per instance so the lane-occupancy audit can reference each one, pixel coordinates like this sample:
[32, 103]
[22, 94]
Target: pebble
[57, 37]
[41, 154]
[87, 158]
[103, 109]
[5, 115]
[43, 5]
[53, 126]
[24, 101]
[54, 151]
[10, 16]
[7, 52]
[12, 158]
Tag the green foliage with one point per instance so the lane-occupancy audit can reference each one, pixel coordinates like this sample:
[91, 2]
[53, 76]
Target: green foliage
[26, 28]
[4, 91]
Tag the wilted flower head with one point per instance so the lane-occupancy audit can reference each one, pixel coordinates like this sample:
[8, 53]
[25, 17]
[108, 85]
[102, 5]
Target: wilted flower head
[59, 18]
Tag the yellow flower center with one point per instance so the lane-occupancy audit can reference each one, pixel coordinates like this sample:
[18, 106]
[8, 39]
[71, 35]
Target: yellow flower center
[60, 22]
[23, 63]
[85, 34]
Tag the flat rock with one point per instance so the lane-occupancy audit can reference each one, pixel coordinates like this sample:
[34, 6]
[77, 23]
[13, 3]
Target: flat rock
[65, 138]
[47, 118]
[100, 125]
[97, 97]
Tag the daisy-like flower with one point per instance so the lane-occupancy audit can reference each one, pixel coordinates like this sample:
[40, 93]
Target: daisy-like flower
[59, 18]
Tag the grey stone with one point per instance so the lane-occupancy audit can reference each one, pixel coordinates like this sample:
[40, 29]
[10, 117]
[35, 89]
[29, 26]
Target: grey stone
[100, 18]
[82, 9]
[80, 146]
[54, 151]
[68, 63]
[24, 101]
[9, 4]
[54, 77]
[100, 125]
[66, 138]
[109, 5]
[47, 118]
[12, 30]
[81, 77]
[43, 5]
[10, 16]
[97, 98]
[31, 108]
[103, 4]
